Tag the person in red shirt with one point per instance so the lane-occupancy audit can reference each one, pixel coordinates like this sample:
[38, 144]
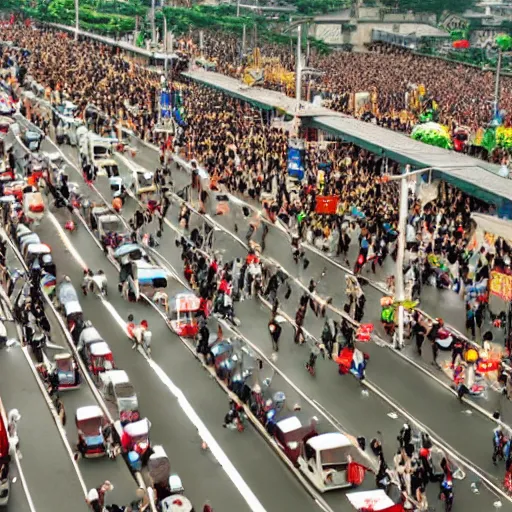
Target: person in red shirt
[225, 285]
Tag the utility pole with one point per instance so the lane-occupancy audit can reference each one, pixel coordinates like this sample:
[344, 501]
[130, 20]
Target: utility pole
[402, 227]
[165, 44]
[238, 8]
[153, 28]
[298, 66]
[201, 42]
[77, 18]
[497, 84]
[244, 36]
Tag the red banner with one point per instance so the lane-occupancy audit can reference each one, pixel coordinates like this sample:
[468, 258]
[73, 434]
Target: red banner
[326, 205]
[501, 285]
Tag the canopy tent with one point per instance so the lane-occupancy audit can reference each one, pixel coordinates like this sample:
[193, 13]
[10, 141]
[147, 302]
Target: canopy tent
[494, 225]
[475, 177]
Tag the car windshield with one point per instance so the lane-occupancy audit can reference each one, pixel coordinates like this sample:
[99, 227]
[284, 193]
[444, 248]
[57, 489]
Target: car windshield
[334, 456]
[101, 151]
[145, 181]
[127, 404]
[111, 226]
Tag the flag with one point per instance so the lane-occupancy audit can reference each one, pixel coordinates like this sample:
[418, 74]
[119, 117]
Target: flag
[428, 192]
[358, 364]
[48, 283]
[344, 360]
[355, 473]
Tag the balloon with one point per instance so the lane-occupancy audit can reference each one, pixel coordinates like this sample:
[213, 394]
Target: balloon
[117, 204]
[462, 44]
[504, 42]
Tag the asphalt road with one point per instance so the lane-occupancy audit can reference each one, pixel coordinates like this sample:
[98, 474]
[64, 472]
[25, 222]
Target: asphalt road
[45, 461]
[94, 471]
[39, 437]
[204, 478]
[342, 397]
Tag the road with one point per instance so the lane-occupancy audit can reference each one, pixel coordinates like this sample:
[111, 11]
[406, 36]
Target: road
[203, 476]
[44, 460]
[93, 471]
[358, 413]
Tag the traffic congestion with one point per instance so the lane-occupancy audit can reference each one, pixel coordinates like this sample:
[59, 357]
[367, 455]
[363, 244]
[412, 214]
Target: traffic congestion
[198, 353]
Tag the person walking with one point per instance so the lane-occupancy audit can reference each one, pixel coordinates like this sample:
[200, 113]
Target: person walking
[275, 332]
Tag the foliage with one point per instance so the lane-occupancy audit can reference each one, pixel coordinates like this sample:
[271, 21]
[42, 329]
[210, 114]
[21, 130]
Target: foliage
[431, 6]
[309, 7]
[181, 20]
[116, 17]
[504, 42]
[433, 134]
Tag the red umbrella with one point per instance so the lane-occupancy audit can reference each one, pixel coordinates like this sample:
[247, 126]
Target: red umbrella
[462, 44]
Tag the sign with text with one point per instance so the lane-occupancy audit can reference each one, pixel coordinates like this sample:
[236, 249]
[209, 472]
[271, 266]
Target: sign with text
[501, 285]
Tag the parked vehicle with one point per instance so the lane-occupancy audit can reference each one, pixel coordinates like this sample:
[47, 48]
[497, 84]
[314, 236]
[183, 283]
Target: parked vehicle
[68, 303]
[290, 434]
[135, 439]
[67, 371]
[97, 152]
[116, 387]
[40, 254]
[90, 423]
[98, 357]
[184, 312]
[5, 459]
[145, 279]
[143, 181]
[325, 459]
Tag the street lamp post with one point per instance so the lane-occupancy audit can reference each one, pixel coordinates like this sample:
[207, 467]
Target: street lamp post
[244, 37]
[497, 84]
[402, 227]
[153, 27]
[298, 66]
[77, 18]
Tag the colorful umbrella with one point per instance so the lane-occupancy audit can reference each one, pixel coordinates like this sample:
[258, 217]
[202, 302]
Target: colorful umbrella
[48, 283]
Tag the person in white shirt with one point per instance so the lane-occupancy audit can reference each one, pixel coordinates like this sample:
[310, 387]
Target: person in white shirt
[3, 334]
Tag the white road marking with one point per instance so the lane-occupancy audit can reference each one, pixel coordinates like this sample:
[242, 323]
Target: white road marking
[43, 391]
[221, 457]
[475, 469]
[26, 490]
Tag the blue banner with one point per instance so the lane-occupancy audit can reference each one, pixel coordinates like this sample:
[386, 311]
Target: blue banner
[165, 105]
[296, 162]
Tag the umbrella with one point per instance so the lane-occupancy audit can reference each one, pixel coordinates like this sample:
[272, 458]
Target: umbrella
[48, 283]
[177, 503]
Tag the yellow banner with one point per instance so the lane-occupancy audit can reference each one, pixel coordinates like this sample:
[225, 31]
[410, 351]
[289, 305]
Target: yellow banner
[501, 285]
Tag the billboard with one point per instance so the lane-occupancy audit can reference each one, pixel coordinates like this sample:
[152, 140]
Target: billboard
[501, 285]
[296, 155]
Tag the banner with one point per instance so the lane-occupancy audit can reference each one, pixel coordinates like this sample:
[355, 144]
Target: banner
[165, 104]
[296, 159]
[326, 205]
[501, 285]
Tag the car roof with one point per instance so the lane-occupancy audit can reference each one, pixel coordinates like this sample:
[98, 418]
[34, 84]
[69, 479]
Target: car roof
[329, 441]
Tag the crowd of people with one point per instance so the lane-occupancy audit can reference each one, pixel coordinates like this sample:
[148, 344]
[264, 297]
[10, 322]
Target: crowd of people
[390, 74]
[242, 150]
